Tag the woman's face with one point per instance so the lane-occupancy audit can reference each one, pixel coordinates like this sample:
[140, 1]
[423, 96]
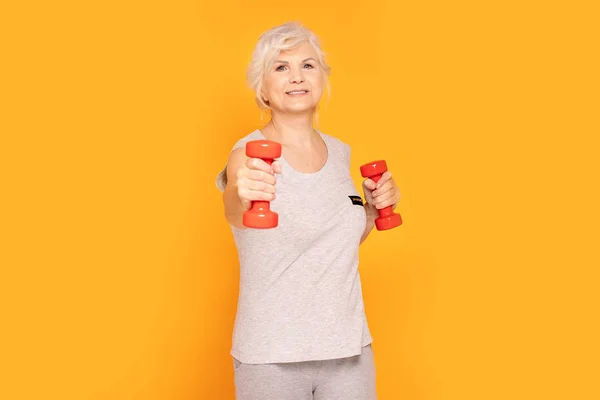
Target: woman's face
[294, 84]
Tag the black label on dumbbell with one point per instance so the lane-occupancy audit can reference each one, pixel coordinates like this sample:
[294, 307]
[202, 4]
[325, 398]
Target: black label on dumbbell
[356, 200]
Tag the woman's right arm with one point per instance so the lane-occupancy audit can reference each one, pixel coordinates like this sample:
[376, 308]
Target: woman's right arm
[248, 179]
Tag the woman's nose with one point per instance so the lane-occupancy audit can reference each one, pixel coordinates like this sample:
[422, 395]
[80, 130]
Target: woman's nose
[296, 77]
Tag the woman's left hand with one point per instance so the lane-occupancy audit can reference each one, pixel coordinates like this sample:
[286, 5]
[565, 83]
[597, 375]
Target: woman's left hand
[382, 194]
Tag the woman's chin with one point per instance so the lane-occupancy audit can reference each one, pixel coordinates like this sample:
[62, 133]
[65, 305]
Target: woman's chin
[299, 108]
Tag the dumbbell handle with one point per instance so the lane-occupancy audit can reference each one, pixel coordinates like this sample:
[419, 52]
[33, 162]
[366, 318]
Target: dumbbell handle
[260, 215]
[261, 205]
[387, 211]
[387, 218]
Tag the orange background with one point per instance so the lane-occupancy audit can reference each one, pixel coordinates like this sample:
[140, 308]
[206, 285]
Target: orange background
[118, 271]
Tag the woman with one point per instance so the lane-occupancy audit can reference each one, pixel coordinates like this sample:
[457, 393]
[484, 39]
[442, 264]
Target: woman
[300, 330]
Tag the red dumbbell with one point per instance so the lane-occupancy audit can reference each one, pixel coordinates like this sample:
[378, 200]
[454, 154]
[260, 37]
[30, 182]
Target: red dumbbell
[260, 215]
[387, 218]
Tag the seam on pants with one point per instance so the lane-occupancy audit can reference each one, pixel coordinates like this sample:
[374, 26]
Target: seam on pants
[317, 378]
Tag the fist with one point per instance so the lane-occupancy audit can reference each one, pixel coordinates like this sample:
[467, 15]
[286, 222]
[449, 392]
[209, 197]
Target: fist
[256, 181]
[382, 194]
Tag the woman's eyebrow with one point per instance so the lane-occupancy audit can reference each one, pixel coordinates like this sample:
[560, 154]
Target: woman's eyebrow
[285, 62]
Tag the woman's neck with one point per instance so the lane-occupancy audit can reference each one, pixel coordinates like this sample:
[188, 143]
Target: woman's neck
[291, 130]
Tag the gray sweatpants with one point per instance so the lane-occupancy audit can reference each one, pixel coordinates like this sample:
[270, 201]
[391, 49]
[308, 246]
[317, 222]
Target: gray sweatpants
[351, 378]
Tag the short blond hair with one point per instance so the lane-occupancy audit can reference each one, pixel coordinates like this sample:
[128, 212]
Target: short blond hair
[283, 37]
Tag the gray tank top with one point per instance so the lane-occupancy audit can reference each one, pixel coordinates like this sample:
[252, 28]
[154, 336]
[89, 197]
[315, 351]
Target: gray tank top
[300, 294]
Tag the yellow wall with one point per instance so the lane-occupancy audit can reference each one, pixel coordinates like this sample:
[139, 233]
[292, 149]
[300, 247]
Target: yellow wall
[119, 273]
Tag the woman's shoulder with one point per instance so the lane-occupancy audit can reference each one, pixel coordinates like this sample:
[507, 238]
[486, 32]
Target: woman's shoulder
[332, 138]
[336, 142]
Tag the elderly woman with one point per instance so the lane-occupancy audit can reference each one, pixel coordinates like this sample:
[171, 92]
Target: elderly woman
[300, 329]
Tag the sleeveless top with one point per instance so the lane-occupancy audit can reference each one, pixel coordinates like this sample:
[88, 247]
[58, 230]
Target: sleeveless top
[300, 294]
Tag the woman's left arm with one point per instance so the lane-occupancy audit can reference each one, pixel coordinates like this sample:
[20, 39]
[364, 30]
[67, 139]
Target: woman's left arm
[378, 195]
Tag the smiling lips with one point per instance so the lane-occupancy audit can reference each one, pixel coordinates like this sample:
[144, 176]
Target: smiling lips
[297, 92]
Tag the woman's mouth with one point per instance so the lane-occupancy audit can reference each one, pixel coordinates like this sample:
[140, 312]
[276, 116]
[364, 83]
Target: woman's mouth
[297, 92]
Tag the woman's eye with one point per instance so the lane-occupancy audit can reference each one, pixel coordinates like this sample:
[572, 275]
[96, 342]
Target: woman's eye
[305, 66]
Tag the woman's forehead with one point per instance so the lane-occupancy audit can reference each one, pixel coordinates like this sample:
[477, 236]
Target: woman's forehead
[305, 49]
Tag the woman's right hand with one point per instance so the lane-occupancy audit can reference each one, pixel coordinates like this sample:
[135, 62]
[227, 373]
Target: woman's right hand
[256, 181]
